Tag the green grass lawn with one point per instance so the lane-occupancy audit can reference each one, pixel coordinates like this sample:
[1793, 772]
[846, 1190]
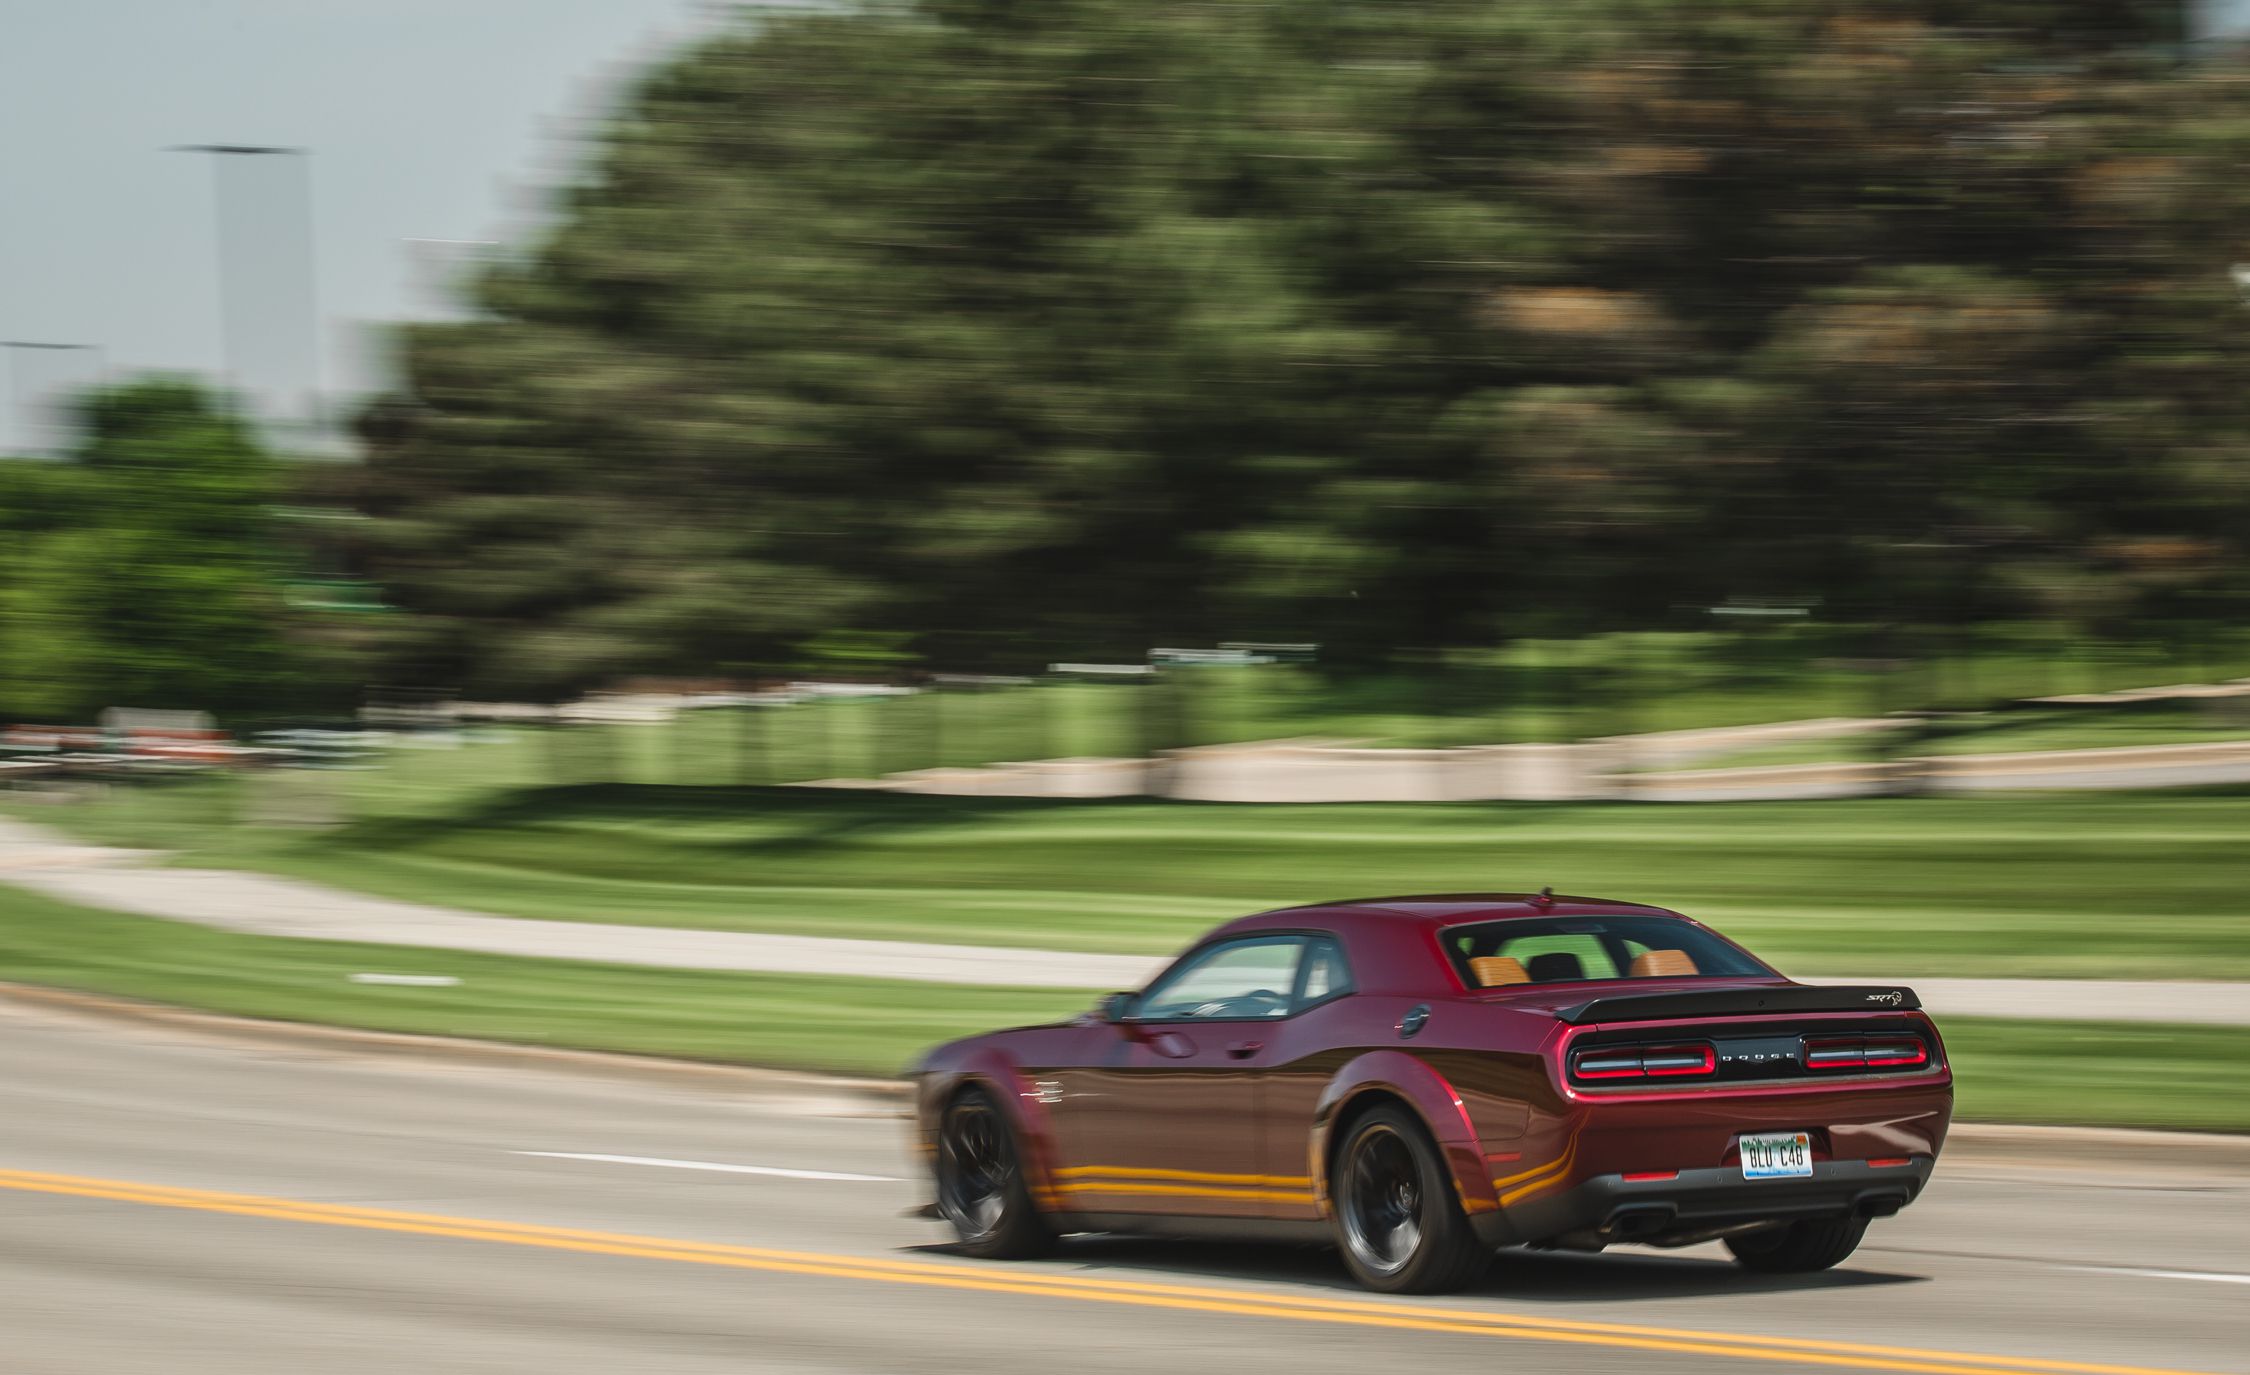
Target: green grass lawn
[2019, 730]
[2130, 1075]
[2088, 885]
[2127, 1074]
[859, 1026]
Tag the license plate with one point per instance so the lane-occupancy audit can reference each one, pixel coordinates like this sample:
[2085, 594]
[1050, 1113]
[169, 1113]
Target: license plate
[1776, 1155]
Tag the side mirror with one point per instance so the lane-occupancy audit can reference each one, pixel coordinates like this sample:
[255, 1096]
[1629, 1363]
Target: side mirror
[1112, 1007]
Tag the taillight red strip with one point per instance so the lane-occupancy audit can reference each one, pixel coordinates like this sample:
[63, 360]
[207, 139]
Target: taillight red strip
[1890, 1162]
[1599, 1066]
[1638, 1062]
[1833, 1054]
[1884, 1054]
[1860, 1052]
[1676, 1060]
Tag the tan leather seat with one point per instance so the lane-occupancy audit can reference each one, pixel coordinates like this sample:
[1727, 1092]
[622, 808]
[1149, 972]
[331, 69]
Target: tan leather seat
[1494, 970]
[1660, 964]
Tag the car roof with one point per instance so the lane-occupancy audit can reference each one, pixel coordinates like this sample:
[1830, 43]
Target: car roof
[1394, 942]
[1431, 911]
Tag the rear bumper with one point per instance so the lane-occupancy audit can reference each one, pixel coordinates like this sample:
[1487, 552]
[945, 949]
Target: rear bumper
[1697, 1204]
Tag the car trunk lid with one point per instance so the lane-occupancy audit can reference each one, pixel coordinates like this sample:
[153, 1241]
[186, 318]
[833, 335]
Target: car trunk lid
[1685, 1002]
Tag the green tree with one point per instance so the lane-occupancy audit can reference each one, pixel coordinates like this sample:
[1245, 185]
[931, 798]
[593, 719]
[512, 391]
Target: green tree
[144, 570]
[1038, 331]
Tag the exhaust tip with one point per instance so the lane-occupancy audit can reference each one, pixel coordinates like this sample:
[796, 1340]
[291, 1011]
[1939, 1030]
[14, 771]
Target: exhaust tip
[1879, 1205]
[1639, 1220]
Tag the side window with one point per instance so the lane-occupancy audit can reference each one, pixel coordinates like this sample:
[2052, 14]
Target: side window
[1326, 974]
[1240, 979]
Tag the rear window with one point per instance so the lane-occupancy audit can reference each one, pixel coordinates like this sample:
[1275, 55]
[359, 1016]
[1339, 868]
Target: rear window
[1544, 950]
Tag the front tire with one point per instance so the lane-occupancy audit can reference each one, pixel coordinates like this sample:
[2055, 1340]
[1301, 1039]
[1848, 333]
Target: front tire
[980, 1182]
[1398, 1221]
[1798, 1248]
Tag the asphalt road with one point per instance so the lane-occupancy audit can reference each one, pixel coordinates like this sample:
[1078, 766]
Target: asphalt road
[190, 1206]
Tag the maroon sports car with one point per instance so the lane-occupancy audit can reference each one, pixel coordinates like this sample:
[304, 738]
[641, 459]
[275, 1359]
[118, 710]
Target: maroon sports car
[1428, 1079]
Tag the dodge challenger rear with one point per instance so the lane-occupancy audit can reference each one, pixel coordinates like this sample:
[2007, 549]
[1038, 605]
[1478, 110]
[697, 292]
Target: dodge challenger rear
[1424, 1080]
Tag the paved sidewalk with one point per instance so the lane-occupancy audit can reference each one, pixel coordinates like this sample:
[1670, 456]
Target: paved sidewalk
[261, 904]
[124, 880]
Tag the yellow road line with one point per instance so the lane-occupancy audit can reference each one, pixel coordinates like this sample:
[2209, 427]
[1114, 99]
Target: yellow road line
[1242, 1302]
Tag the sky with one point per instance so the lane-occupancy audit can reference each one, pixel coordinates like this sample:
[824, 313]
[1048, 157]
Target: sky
[423, 120]
[2215, 18]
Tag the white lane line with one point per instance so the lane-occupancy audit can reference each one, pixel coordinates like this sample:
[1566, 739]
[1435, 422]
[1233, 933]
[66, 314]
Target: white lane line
[2214, 1276]
[662, 1163]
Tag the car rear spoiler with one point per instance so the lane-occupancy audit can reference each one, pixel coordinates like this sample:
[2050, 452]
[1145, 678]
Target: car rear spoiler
[1741, 1002]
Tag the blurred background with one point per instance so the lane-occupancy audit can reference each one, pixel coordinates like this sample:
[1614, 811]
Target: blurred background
[1789, 462]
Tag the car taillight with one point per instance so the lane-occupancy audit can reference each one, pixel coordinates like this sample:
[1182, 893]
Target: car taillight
[1865, 1052]
[1679, 1060]
[1608, 1065]
[1643, 1062]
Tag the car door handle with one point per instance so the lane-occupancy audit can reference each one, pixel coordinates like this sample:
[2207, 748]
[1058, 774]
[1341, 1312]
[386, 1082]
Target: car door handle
[1172, 1045]
[1243, 1050]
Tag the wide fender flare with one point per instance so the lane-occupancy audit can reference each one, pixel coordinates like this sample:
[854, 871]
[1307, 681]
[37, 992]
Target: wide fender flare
[1397, 1074]
[1021, 1103]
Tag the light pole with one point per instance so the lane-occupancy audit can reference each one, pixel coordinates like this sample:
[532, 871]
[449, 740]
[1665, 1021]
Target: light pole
[268, 324]
[23, 431]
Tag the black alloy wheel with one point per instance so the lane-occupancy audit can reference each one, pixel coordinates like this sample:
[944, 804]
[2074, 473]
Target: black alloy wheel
[1400, 1226]
[980, 1183]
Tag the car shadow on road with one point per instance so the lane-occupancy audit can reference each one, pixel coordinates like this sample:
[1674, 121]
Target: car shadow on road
[1543, 1276]
[1567, 1277]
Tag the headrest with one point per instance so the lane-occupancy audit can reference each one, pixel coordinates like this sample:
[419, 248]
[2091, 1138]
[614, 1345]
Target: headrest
[1556, 966]
[1494, 970]
[1660, 964]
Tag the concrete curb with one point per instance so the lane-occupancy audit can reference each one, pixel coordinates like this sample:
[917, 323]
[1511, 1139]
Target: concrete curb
[1969, 1142]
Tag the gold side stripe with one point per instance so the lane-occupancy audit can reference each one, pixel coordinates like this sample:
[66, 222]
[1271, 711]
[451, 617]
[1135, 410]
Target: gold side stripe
[1189, 1191]
[1547, 1180]
[1502, 1181]
[1191, 1176]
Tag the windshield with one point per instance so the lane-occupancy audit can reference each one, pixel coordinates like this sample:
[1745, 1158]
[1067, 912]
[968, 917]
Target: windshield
[1532, 950]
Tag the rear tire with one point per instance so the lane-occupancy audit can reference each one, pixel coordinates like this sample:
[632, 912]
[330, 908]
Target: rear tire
[980, 1182]
[1398, 1218]
[1798, 1248]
